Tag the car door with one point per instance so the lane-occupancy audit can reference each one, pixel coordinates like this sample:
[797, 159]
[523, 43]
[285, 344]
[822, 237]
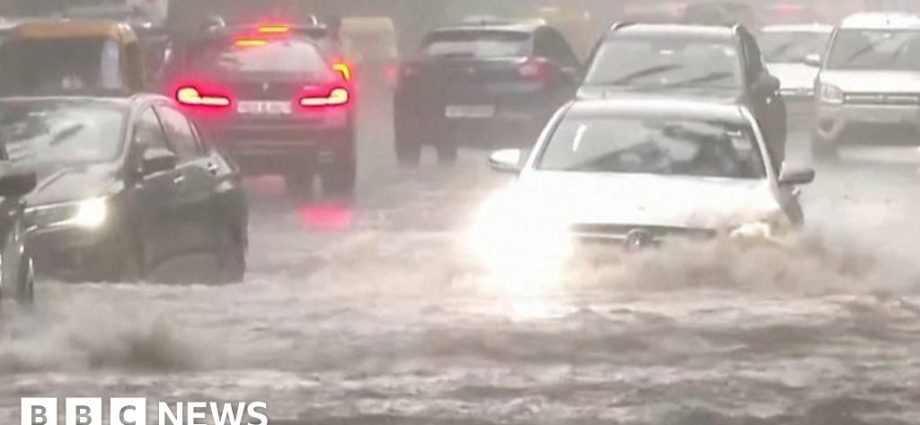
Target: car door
[767, 105]
[196, 196]
[156, 198]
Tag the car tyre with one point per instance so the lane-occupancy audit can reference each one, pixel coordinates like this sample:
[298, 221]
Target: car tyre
[231, 257]
[23, 292]
[447, 153]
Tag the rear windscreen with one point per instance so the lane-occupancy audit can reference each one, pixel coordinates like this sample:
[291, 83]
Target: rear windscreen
[478, 44]
[55, 66]
[243, 56]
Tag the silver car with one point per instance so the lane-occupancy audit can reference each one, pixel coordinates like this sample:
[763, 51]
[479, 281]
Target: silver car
[641, 172]
[868, 89]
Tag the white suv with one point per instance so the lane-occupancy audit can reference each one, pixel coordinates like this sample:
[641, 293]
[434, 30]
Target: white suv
[868, 90]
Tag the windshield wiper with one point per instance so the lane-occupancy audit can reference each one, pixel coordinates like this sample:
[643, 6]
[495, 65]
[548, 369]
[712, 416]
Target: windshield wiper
[639, 74]
[712, 76]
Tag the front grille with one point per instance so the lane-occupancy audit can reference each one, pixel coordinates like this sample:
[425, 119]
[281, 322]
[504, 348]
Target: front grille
[621, 231]
[884, 99]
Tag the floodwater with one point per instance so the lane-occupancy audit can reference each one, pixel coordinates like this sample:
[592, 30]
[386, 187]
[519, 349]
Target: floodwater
[372, 313]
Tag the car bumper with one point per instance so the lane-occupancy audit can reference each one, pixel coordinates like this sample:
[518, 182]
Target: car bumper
[70, 252]
[840, 124]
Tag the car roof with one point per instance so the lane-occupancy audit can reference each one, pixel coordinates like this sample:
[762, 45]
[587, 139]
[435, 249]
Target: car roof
[817, 28]
[677, 30]
[893, 21]
[123, 102]
[657, 106]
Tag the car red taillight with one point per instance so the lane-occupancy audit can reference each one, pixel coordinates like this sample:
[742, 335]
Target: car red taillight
[189, 95]
[337, 96]
[533, 69]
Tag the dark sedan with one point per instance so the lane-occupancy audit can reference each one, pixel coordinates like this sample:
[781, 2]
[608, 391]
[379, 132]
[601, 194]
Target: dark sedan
[491, 84]
[124, 185]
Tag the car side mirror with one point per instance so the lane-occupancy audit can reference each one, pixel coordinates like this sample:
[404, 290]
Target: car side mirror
[16, 183]
[813, 60]
[767, 85]
[796, 176]
[507, 160]
[157, 160]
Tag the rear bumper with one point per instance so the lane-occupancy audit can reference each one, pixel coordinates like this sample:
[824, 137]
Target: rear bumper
[267, 148]
[515, 120]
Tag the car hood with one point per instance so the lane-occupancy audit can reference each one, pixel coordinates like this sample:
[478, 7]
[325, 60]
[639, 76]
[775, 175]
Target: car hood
[794, 76]
[873, 81]
[646, 200]
[71, 183]
[725, 96]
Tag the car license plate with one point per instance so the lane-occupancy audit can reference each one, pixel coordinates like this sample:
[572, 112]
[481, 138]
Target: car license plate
[470, 111]
[263, 108]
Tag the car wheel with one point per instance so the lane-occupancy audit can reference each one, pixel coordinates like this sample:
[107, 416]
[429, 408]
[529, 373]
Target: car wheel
[25, 295]
[231, 257]
[447, 153]
[408, 152]
[824, 150]
[339, 178]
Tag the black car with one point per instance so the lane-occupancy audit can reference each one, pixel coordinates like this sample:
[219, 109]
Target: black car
[272, 98]
[490, 84]
[124, 185]
[16, 268]
[716, 63]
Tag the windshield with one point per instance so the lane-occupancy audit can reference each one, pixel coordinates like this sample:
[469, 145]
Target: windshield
[61, 132]
[60, 66]
[478, 44]
[791, 46]
[875, 50]
[655, 145]
[657, 63]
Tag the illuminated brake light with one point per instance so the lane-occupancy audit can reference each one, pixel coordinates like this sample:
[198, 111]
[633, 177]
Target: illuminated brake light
[191, 96]
[274, 29]
[250, 42]
[532, 69]
[336, 97]
[343, 69]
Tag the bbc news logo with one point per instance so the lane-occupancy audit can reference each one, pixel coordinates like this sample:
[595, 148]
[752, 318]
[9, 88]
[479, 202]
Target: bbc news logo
[133, 411]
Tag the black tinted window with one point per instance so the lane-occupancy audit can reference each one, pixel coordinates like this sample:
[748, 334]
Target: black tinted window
[148, 134]
[179, 132]
[478, 44]
[61, 131]
[656, 145]
[258, 56]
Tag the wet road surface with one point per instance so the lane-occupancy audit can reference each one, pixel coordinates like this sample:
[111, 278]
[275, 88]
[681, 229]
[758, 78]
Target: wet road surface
[376, 316]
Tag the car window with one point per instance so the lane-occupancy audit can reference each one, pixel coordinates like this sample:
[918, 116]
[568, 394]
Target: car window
[60, 66]
[654, 145]
[658, 62]
[148, 133]
[875, 50]
[61, 132]
[179, 132]
[259, 56]
[792, 46]
[478, 44]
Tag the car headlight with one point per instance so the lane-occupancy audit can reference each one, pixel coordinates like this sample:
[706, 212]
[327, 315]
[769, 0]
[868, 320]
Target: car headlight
[831, 94]
[89, 213]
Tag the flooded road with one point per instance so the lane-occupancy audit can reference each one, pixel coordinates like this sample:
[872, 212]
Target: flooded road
[377, 317]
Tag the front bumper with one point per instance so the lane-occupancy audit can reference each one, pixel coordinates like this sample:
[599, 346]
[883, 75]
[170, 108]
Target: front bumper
[71, 252]
[878, 124]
